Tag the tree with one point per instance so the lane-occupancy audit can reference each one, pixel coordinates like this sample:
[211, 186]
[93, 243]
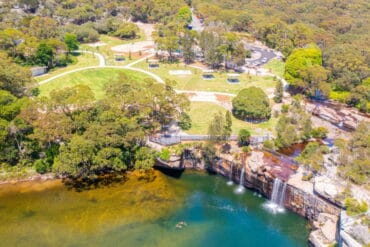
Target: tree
[71, 42]
[294, 124]
[242, 23]
[228, 124]
[76, 158]
[10, 39]
[251, 103]
[312, 157]
[127, 30]
[228, 46]
[43, 28]
[313, 80]
[279, 91]
[210, 42]
[286, 132]
[185, 121]
[167, 38]
[188, 41]
[44, 55]
[144, 158]
[184, 14]
[347, 65]
[216, 128]
[299, 60]
[13, 77]
[319, 132]
[243, 137]
[48, 51]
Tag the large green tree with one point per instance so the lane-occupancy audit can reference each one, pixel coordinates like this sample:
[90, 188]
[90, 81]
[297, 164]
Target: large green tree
[251, 104]
[300, 60]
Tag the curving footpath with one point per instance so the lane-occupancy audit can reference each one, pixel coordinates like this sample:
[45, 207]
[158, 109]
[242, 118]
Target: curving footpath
[197, 96]
[205, 96]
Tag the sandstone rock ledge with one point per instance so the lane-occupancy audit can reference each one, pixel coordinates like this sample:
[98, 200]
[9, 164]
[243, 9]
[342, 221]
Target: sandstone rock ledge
[325, 229]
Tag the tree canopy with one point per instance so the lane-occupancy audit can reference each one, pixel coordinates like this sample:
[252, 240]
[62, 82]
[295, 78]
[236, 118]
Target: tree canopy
[251, 104]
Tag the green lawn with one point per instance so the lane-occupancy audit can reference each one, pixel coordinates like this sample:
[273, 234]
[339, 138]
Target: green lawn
[83, 60]
[96, 79]
[276, 66]
[106, 50]
[202, 113]
[218, 84]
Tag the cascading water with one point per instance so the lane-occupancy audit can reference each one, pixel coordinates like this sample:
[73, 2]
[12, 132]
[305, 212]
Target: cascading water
[240, 189]
[230, 182]
[276, 204]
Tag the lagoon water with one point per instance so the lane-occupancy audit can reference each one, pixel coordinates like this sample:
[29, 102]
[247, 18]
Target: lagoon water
[195, 210]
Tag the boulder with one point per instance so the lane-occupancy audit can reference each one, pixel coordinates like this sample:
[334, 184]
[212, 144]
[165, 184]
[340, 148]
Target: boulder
[361, 233]
[255, 161]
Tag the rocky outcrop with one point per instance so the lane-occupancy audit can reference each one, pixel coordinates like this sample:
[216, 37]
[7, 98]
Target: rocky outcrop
[301, 202]
[325, 230]
[260, 177]
[328, 189]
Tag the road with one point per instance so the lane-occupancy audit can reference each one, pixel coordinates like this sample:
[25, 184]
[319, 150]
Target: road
[196, 23]
[260, 56]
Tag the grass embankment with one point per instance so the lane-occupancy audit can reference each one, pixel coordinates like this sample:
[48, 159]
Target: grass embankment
[83, 60]
[276, 67]
[218, 84]
[96, 79]
[202, 113]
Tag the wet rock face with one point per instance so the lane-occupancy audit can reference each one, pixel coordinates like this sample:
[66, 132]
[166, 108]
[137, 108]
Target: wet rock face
[261, 179]
[305, 204]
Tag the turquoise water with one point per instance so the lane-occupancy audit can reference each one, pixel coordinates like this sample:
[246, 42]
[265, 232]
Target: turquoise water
[140, 212]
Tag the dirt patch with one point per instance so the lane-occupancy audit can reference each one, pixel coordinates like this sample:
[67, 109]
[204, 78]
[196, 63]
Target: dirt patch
[223, 98]
[141, 46]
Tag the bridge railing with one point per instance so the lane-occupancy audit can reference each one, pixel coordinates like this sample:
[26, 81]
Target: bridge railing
[168, 140]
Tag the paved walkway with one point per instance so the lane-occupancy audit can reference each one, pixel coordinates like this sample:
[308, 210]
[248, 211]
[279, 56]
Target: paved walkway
[202, 96]
[100, 57]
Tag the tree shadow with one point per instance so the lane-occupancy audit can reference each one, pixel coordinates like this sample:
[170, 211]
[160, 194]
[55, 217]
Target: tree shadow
[89, 183]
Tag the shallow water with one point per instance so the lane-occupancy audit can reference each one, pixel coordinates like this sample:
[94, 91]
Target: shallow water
[139, 212]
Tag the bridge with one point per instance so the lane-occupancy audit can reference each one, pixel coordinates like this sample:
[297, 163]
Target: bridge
[168, 140]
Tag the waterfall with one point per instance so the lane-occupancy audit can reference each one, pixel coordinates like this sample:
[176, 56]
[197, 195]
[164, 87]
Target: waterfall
[240, 189]
[230, 182]
[276, 204]
[241, 179]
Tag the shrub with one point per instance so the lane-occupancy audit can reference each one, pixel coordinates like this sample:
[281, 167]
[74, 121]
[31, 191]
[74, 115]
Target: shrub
[307, 177]
[246, 149]
[35, 91]
[340, 96]
[284, 108]
[127, 30]
[319, 132]
[85, 33]
[252, 103]
[185, 121]
[41, 166]
[243, 137]
[354, 207]
[165, 154]
[269, 144]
